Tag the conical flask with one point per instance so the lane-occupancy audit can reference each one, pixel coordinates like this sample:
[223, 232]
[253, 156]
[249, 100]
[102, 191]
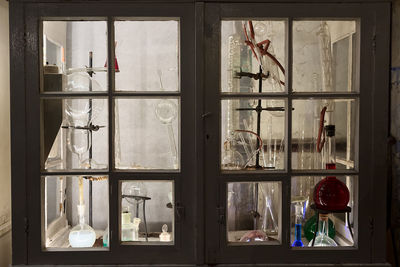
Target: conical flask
[323, 239]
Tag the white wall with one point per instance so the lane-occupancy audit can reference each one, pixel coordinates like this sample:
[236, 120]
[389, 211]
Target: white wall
[5, 181]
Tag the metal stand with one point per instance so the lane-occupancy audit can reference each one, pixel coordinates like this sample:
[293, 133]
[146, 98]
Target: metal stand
[259, 76]
[138, 199]
[90, 148]
[90, 127]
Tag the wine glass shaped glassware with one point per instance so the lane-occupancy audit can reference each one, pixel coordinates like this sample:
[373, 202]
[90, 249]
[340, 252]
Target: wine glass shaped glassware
[80, 113]
[79, 142]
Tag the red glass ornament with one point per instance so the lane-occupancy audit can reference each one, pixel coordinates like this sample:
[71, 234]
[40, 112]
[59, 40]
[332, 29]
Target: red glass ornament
[115, 65]
[330, 194]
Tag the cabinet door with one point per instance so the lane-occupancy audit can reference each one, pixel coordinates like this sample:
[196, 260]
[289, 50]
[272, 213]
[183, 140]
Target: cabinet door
[111, 103]
[288, 93]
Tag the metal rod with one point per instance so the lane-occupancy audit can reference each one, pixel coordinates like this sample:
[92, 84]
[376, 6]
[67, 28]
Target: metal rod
[349, 225]
[259, 110]
[255, 206]
[91, 139]
[144, 220]
[316, 228]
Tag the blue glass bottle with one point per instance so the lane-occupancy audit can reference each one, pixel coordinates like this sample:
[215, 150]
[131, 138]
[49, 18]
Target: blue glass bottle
[297, 227]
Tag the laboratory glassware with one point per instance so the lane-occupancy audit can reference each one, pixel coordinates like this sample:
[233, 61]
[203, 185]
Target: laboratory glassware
[323, 239]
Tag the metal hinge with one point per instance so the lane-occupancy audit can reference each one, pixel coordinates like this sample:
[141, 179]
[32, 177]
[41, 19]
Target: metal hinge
[374, 42]
[371, 225]
[26, 225]
[180, 211]
[221, 215]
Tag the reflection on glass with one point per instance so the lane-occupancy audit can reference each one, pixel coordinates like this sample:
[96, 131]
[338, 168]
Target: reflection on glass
[310, 123]
[244, 55]
[145, 48]
[69, 208]
[149, 131]
[334, 228]
[254, 213]
[250, 139]
[147, 212]
[333, 67]
[74, 47]
[74, 133]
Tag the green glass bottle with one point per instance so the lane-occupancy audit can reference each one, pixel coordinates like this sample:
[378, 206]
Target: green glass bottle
[309, 228]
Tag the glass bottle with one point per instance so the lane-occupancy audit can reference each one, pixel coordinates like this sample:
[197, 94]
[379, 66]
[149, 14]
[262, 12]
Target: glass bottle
[127, 227]
[165, 236]
[322, 239]
[297, 227]
[105, 238]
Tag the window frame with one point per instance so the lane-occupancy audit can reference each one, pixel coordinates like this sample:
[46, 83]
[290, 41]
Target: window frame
[182, 251]
[370, 78]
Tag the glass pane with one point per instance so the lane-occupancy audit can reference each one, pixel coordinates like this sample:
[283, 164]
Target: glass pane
[328, 194]
[254, 213]
[147, 212]
[325, 56]
[74, 218]
[74, 47]
[148, 55]
[324, 132]
[244, 145]
[149, 131]
[74, 134]
[240, 56]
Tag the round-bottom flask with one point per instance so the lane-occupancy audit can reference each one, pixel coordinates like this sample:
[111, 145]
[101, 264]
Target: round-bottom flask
[82, 235]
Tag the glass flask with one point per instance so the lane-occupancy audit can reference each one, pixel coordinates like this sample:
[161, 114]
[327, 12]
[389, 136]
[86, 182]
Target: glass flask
[231, 158]
[82, 235]
[330, 194]
[309, 228]
[322, 239]
[254, 236]
[297, 227]
[270, 223]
